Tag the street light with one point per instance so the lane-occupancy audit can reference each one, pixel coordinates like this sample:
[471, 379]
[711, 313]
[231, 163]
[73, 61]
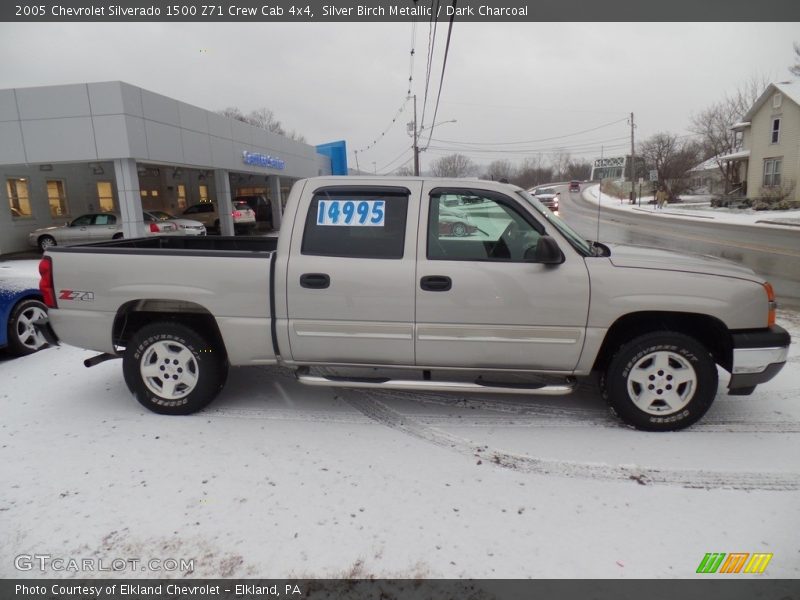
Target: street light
[414, 133]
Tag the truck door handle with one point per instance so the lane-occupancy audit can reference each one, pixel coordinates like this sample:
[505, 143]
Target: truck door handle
[436, 283]
[318, 281]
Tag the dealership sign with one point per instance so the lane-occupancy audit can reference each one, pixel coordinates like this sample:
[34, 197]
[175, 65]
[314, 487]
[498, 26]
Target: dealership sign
[262, 160]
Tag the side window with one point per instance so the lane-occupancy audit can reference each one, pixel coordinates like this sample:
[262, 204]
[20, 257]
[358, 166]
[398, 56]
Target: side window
[356, 224]
[82, 221]
[469, 225]
[104, 219]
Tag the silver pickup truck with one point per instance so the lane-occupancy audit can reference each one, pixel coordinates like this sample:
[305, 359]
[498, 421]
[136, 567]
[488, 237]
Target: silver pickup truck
[419, 284]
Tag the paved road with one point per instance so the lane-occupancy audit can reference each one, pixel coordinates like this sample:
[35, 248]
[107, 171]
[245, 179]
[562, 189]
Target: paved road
[771, 252]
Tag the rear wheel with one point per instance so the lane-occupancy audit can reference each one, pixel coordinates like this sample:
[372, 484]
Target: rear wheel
[117, 236]
[172, 369]
[661, 381]
[22, 336]
[46, 241]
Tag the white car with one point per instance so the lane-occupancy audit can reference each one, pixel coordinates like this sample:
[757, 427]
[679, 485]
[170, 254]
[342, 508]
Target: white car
[244, 217]
[162, 220]
[547, 196]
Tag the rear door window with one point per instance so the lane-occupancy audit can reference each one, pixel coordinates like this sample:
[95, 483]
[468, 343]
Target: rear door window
[357, 223]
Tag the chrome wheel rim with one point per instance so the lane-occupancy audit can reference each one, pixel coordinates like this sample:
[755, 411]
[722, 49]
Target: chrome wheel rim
[459, 230]
[46, 242]
[662, 383]
[169, 370]
[27, 334]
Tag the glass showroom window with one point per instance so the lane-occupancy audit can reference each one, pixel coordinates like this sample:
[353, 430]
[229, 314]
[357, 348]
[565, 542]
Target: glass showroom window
[776, 131]
[772, 172]
[105, 196]
[181, 196]
[203, 189]
[18, 197]
[57, 198]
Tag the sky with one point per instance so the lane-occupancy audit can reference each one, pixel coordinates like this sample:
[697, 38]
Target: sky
[515, 90]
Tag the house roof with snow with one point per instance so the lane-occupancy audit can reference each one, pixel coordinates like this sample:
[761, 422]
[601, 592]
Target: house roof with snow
[790, 89]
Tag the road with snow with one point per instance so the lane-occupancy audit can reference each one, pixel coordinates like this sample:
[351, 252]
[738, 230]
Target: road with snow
[773, 252]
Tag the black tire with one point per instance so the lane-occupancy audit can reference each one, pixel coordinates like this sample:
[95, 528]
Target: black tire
[22, 338]
[117, 236]
[660, 381]
[45, 241]
[161, 347]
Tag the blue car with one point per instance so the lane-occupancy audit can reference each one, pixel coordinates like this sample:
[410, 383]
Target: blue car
[20, 305]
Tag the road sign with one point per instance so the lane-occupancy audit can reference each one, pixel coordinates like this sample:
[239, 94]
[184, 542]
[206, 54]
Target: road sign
[653, 175]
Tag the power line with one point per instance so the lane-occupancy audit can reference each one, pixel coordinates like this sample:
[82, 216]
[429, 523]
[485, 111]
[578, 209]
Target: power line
[547, 139]
[432, 23]
[576, 146]
[444, 66]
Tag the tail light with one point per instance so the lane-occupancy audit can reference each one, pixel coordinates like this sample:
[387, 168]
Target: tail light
[46, 286]
[771, 304]
[236, 214]
[154, 228]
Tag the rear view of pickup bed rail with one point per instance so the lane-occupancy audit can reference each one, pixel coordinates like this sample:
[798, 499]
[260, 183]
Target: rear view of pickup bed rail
[468, 283]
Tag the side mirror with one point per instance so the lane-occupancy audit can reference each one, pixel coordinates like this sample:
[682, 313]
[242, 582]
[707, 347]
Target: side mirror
[546, 252]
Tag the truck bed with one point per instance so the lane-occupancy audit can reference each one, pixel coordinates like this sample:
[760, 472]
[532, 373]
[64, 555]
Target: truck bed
[199, 245]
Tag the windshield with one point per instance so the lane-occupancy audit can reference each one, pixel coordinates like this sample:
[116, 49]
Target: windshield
[543, 191]
[161, 215]
[572, 236]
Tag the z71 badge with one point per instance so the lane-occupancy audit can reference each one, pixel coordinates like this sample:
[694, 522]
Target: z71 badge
[76, 295]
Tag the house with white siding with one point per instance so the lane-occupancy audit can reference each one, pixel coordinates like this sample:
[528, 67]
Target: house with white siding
[770, 154]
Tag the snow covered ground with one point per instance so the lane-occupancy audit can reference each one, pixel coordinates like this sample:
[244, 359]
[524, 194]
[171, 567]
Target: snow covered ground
[698, 207]
[279, 480]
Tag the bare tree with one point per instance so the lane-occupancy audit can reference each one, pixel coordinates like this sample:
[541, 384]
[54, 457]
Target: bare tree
[714, 123]
[581, 170]
[404, 171]
[795, 68]
[261, 117]
[560, 161]
[533, 172]
[672, 157]
[500, 169]
[453, 165]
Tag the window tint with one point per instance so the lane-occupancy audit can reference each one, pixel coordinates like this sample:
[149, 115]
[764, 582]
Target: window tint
[474, 226]
[356, 223]
[82, 220]
[104, 219]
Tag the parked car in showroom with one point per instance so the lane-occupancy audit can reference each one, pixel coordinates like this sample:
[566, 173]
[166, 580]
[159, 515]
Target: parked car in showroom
[92, 227]
[244, 218]
[163, 221]
[20, 306]
[262, 206]
[547, 196]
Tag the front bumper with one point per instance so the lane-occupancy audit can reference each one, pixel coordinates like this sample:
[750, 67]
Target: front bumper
[758, 356]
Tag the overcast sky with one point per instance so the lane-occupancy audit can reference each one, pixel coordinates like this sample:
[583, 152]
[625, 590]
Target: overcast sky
[503, 83]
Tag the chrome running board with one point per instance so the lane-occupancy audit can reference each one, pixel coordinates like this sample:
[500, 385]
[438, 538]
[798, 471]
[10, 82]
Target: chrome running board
[486, 387]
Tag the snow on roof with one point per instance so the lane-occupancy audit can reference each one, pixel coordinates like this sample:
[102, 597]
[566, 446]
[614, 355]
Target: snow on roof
[707, 165]
[740, 125]
[790, 89]
[735, 155]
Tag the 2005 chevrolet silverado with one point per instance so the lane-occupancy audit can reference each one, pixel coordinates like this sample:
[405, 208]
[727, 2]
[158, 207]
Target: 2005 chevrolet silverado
[372, 272]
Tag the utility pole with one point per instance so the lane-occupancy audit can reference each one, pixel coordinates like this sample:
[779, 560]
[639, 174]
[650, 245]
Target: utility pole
[416, 141]
[633, 165]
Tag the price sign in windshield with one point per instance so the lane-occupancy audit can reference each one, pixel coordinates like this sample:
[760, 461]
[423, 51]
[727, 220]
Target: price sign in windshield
[352, 213]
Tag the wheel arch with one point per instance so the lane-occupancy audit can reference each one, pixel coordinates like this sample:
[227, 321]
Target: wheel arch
[135, 314]
[709, 331]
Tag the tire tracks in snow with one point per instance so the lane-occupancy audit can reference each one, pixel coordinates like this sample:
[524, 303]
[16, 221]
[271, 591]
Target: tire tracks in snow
[687, 478]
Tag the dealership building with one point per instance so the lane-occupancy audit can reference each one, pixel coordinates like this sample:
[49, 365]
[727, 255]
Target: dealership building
[112, 147]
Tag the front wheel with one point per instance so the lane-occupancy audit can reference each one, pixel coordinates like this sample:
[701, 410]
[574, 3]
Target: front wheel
[661, 381]
[172, 369]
